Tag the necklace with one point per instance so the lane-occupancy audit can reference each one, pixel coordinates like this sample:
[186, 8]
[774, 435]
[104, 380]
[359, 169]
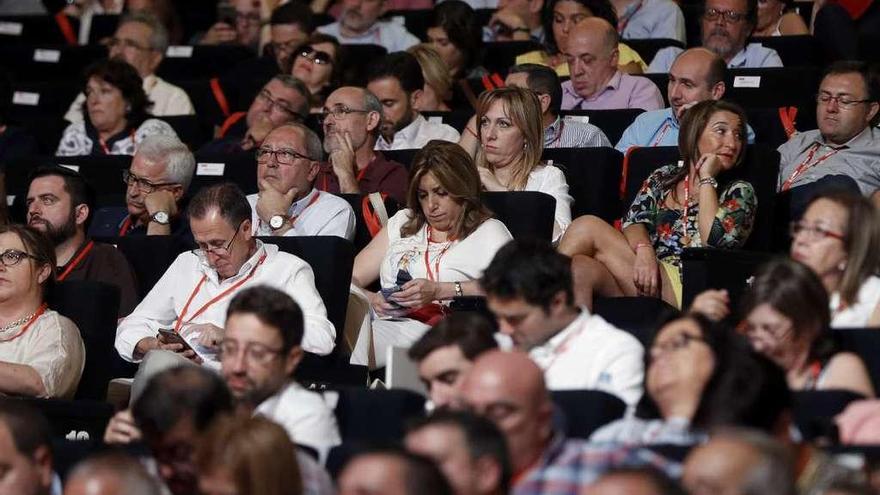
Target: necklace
[17, 322]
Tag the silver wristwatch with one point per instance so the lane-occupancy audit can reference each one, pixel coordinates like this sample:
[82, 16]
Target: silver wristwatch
[276, 222]
[161, 218]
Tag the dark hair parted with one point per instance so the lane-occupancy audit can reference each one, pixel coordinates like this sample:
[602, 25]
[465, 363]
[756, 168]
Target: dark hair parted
[529, 269]
[471, 332]
[542, 80]
[125, 78]
[80, 191]
[459, 21]
[293, 13]
[27, 426]
[454, 169]
[598, 8]
[868, 73]
[227, 198]
[421, 475]
[402, 66]
[273, 308]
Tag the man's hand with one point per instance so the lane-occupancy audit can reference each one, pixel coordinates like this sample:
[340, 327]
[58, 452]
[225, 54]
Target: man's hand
[344, 165]
[219, 33]
[209, 335]
[178, 348]
[122, 430]
[271, 201]
[161, 200]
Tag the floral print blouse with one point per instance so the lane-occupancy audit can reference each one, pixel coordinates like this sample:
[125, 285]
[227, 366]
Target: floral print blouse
[733, 223]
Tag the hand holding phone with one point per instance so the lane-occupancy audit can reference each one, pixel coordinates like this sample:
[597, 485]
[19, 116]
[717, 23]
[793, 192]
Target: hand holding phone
[167, 336]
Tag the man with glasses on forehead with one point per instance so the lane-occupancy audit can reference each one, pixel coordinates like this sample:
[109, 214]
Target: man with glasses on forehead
[351, 118]
[725, 28]
[844, 152]
[141, 40]
[288, 203]
[191, 298]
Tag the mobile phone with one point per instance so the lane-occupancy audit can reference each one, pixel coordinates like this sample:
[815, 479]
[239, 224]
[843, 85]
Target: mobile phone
[226, 14]
[172, 337]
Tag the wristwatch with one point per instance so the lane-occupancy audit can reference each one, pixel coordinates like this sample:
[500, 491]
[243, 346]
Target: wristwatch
[276, 222]
[161, 218]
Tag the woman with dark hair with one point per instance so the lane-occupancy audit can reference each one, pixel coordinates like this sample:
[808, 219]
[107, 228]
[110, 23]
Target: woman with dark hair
[692, 204]
[778, 18]
[319, 64]
[457, 36]
[116, 114]
[429, 253]
[560, 16]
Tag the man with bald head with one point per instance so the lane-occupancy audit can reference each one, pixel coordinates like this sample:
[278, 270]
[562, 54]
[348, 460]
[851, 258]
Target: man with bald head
[508, 388]
[635, 481]
[351, 118]
[698, 74]
[288, 203]
[111, 474]
[596, 83]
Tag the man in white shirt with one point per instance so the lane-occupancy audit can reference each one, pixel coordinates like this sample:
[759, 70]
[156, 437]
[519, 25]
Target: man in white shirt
[529, 289]
[141, 40]
[288, 204]
[359, 24]
[397, 82]
[260, 352]
[191, 298]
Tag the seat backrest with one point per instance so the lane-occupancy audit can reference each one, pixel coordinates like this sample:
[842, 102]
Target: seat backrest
[201, 61]
[527, 214]
[33, 29]
[865, 342]
[795, 51]
[612, 122]
[814, 410]
[188, 128]
[375, 415]
[774, 87]
[150, 256]
[103, 26]
[593, 176]
[403, 157]
[642, 323]
[74, 419]
[93, 306]
[499, 56]
[240, 168]
[45, 62]
[358, 60]
[587, 410]
[649, 47]
[362, 235]
[710, 268]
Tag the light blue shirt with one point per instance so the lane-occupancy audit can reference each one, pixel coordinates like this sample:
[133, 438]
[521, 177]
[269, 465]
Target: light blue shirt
[653, 19]
[391, 35]
[657, 128]
[753, 56]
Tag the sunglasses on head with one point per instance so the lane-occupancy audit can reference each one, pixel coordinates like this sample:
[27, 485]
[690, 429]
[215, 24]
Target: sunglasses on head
[316, 56]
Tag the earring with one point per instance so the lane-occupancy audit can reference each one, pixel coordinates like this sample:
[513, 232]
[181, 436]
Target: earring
[127, 108]
[841, 266]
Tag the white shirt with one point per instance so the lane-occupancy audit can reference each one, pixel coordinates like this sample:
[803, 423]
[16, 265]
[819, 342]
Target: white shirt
[393, 36]
[590, 353]
[167, 99]
[328, 215]
[305, 416]
[859, 313]
[76, 142]
[284, 271]
[549, 179]
[417, 134]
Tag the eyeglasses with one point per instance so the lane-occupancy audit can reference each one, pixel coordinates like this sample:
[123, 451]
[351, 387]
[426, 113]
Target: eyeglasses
[777, 332]
[145, 186]
[339, 112]
[12, 257]
[218, 250]
[283, 156]
[729, 15]
[255, 353]
[266, 97]
[316, 56]
[680, 341]
[125, 43]
[843, 101]
[813, 232]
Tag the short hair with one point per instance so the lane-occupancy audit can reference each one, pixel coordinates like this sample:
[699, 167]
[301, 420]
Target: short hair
[599, 8]
[483, 438]
[37, 245]
[158, 31]
[660, 482]
[471, 332]
[125, 78]
[27, 426]
[772, 472]
[130, 473]
[180, 164]
[177, 393]
[80, 191]
[273, 308]
[402, 66]
[459, 21]
[717, 71]
[542, 80]
[434, 70]
[372, 104]
[868, 74]
[227, 198]
[293, 13]
[314, 148]
[422, 476]
[295, 84]
[529, 269]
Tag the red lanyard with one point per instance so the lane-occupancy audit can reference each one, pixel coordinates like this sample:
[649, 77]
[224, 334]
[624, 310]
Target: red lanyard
[687, 205]
[27, 325]
[661, 134]
[311, 202]
[104, 144]
[76, 261]
[436, 272]
[218, 297]
[558, 134]
[126, 226]
[621, 25]
[806, 165]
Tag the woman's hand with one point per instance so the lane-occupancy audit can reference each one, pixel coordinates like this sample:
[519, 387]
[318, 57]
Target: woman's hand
[121, 430]
[490, 182]
[708, 166]
[713, 304]
[383, 307]
[646, 273]
[417, 293]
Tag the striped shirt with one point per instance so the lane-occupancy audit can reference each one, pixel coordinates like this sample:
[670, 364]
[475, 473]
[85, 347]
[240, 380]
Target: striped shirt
[570, 133]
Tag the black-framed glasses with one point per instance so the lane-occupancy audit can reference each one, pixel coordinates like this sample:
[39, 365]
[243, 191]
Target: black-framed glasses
[145, 186]
[12, 257]
[680, 341]
[730, 16]
[254, 352]
[283, 156]
[813, 232]
[222, 250]
[267, 97]
[842, 100]
[339, 112]
[316, 56]
[126, 43]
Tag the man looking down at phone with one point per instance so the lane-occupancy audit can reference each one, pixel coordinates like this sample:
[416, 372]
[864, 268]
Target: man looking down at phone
[189, 302]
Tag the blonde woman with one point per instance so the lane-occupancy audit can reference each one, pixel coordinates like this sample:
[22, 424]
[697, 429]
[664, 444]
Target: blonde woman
[438, 81]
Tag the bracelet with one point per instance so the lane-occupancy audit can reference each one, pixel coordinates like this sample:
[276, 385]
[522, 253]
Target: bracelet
[458, 291]
[710, 181]
[641, 245]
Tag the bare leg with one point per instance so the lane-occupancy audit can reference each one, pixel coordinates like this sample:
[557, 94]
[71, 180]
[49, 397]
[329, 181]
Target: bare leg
[591, 277]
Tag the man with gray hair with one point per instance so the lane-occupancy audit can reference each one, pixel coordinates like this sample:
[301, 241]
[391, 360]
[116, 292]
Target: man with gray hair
[351, 118]
[111, 474]
[141, 40]
[288, 203]
[157, 181]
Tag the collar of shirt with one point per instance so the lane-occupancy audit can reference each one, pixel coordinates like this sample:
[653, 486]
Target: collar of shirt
[630, 9]
[551, 348]
[671, 118]
[268, 249]
[299, 206]
[552, 130]
[739, 60]
[407, 134]
[611, 85]
[373, 30]
[862, 139]
[150, 82]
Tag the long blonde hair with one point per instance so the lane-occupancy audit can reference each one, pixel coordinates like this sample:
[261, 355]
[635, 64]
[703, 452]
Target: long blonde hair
[524, 109]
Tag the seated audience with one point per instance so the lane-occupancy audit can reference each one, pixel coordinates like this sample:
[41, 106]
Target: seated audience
[437, 90]
[247, 455]
[649, 19]
[242, 29]
[677, 207]
[288, 203]
[350, 119]
[359, 24]
[429, 253]
[699, 376]
[508, 146]
[156, 183]
[635, 481]
[558, 133]
[843, 151]
[41, 352]
[528, 288]
[193, 295]
[697, 74]
[110, 474]
[397, 82]
[26, 450]
[453, 29]
[59, 204]
[446, 352]
[117, 117]
[391, 471]
[725, 28]
[508, 389]
[259, 354]
[468, 449]
[516, 21]
[596, 81]
[779, 18]
[319, 64]
[141, 41]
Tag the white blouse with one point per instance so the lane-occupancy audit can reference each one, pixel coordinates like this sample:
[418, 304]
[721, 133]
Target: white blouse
[550, 179]
[76, 142]
[858, 314]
